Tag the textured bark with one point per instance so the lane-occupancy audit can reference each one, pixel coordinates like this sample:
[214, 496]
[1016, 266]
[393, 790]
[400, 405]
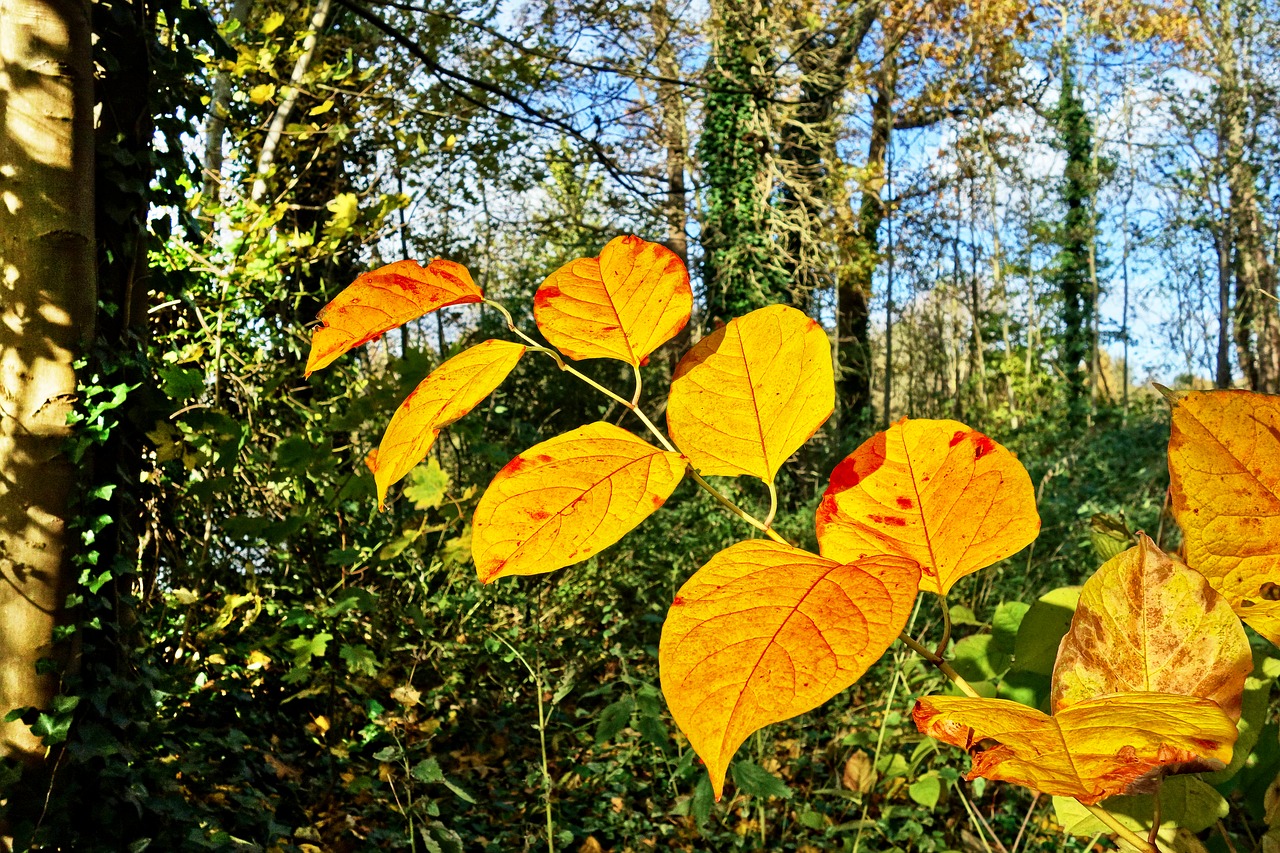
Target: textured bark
[216, 124]
[48, 298]
[857, 239]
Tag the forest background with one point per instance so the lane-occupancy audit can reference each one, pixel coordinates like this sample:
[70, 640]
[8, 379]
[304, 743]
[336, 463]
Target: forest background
[1013, 214]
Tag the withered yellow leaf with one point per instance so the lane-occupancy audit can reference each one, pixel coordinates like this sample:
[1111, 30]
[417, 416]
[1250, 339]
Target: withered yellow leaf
[936, 491]
[384, 299]
[1121, 743]
[449, 392]
[1224, 476]
[624, 304]
[1147, 624]
[764, 632]
[567, 498]
[748, 395]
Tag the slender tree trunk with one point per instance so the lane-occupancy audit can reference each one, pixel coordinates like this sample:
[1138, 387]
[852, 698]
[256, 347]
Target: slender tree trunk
[857, 238]
[47, 299]
[280, 120]
[216, 124]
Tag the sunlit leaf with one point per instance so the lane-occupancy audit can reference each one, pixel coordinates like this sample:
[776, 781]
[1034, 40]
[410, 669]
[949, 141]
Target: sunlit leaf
[1224, 476]
[567, 498]
[624, 304]
[1115, 744]
[384, 299]
[764, 632]
[943, 494]
[1147, 624]
[749, 394]
[449, 392]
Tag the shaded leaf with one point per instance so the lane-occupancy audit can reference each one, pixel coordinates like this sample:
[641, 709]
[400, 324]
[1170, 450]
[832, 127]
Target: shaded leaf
[937, 492]
[449, 392]
[1224, 478]
[1115, 744]
[383, 299]
[1146, 624]
[751, 778]
[750, 394]
[926, 790]
[624, 304]
[567, 498]
[764, 632]
[1185, 801]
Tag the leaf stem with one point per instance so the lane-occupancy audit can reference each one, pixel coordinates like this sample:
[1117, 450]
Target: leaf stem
[1121, 830]
[943, 667]
[773, 504]
[536, 678]
[635, 398]
[946, 626]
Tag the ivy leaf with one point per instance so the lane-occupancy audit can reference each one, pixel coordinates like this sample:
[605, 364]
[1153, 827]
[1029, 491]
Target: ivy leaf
[764, 632]
[451, 390]
[1115, 744]
[568, 498]
[935, 491]
[384, 299]
[750, 394]
[624, 304]
[1224, 479]
[1147, 624]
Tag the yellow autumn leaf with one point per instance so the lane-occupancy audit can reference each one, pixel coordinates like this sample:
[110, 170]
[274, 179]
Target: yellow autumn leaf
[449, 392]
[272, 23]
[262, 93]
[624, 304]
[384, 299]
[1147, 624]
[764, 632]
[936, 491]
[750, 394]
[1121, 743]
[321, 108]
[1224, 477]
[568, 498]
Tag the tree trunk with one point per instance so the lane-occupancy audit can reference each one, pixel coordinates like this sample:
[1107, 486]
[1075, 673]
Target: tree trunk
[216, 125]
[858, 245]
[49, 299]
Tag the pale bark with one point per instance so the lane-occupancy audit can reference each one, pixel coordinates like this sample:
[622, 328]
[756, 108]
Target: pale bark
[216, 126]
[267, 156]
[47, 303]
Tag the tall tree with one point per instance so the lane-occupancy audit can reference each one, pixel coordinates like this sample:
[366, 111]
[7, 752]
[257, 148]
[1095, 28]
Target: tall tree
[49, 299]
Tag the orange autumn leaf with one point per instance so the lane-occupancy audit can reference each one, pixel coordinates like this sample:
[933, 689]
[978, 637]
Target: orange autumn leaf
[1110, 745]
[624, 304]
[567, 498]
[1147, 624]
[751, 393]
[1224, 476]
[383, 299]
[943, 494]
[449, 392]
[764, 632]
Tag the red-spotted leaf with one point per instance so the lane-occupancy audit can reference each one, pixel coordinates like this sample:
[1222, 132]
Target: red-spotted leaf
[624, 304]
[568, 498]
[943, 494]
[385, 298]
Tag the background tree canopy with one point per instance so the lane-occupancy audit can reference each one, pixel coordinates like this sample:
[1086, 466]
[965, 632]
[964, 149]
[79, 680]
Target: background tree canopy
[1013, 214]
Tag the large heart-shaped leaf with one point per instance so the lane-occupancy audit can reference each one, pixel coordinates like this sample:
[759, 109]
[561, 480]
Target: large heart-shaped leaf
[384, 299]
[764, 632]
[1224, 476]
[936, 491]
[624, 304]
[1147, 624]
[748, 395]
[449, 392]
[567, 498]
[1115, 744]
